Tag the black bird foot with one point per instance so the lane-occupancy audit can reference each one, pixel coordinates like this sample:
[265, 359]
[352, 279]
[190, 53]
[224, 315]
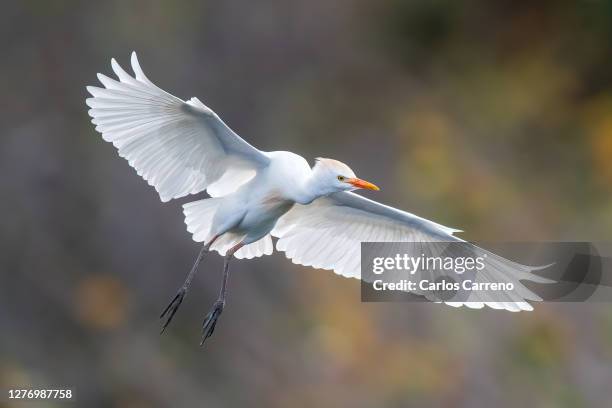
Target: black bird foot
[172, 308]
[210, 321]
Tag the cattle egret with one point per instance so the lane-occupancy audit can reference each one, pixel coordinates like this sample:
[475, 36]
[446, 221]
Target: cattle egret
[183, 147]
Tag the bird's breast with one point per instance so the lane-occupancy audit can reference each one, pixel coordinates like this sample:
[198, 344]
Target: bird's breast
[262, 211]
[273, 205]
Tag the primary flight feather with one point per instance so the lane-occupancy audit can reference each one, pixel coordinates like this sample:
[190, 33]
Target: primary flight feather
[183, 147]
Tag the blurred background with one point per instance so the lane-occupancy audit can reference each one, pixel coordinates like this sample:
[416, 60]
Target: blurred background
[491, 116]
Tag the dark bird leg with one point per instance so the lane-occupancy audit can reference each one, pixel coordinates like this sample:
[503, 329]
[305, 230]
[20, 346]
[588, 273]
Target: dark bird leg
[210, 321]
[178, 299]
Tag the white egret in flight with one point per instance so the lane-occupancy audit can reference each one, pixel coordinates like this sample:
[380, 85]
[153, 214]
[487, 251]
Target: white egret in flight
[183, 147]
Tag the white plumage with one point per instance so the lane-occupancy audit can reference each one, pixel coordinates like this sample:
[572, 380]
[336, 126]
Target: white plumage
[179, 147]
[183, 147]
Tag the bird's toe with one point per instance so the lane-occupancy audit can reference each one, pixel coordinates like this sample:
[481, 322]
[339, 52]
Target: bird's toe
[172, 308]
[210, 321]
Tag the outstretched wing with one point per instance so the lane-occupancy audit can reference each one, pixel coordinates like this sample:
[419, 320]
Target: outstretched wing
[179, 147]
[328, 232]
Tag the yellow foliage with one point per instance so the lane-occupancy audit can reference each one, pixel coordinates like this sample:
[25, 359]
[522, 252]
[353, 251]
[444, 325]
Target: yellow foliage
[101, 302]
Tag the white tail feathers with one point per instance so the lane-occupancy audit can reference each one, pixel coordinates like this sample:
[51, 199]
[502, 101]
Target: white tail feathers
[199, 216]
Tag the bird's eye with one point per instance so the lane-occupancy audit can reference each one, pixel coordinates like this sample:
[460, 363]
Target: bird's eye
[341, 178]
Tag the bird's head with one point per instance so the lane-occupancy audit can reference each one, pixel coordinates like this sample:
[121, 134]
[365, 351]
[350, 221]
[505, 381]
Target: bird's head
[335, 176]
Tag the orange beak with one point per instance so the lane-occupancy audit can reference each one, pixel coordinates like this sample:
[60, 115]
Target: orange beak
[359, 183]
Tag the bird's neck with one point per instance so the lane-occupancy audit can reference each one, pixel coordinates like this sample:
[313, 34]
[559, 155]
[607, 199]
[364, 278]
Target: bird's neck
[313, 188]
